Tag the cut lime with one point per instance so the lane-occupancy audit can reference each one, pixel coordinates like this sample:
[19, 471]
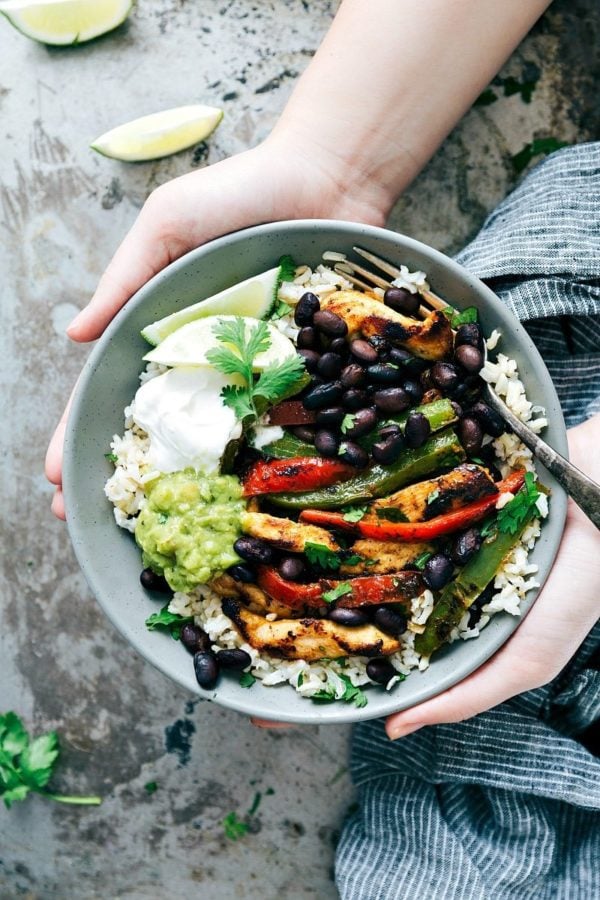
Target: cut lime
[189, 345]
[159, 134]
[65, 21]
[254, 297]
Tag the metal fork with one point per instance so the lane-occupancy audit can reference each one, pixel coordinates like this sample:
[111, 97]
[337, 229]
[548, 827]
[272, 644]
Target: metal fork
[584, 491]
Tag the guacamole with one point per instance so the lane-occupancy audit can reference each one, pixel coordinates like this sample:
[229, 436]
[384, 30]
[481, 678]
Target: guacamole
[188, 527]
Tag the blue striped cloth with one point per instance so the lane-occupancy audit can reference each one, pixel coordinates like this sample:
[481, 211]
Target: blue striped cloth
[505, 805]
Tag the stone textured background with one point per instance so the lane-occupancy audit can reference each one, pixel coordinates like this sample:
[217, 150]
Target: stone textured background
[62, 665]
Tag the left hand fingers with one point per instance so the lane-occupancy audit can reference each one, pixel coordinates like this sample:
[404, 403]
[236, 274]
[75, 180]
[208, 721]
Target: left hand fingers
[267, 723]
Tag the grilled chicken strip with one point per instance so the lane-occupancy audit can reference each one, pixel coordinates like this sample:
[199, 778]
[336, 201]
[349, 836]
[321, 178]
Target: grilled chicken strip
[383, 557]
[428, 499]
[429, 338]
[285, 534]
[308, 639]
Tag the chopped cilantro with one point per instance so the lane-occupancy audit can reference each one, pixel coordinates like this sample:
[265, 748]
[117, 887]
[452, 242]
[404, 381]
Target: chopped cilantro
[512, 516]
[233, 827]
[489, 528]
[352, 694]
[342, 448]
[281, 309]
[247, 679]
[287, 268]
[26, 764]
[390, 514]
[168, 621]
[111, 457]
[347, 423]
[421, 559]
[465, 317]
[354, 513]
[151, 787]
[255, 803]
[300, 680]
[320, 555]
[354, 559]
[340, 590]
[432, 496]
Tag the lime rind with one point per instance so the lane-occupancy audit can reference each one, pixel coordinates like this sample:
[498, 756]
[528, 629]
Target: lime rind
[254, 297]
[65, 22]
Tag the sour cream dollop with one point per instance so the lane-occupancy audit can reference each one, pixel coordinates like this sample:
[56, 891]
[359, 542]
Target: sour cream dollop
[185, 418]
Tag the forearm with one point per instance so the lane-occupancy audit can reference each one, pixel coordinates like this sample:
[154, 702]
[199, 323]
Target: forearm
[393, 77]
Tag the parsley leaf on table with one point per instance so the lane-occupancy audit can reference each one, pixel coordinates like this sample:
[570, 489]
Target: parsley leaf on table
[516, 513]
[233, 827]
[26, 765]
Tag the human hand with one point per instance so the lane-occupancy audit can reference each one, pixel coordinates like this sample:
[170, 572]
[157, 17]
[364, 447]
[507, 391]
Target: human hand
[565, 611]
[280, 179]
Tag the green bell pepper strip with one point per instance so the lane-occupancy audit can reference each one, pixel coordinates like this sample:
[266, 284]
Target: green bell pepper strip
[439, 414]
[441, 451]
[460, 594]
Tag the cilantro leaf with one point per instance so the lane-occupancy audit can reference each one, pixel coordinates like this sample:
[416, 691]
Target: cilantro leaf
[347, 423]
[354, 559]
[13, 737]
[233, 827]
[277, 380]
[489, 528]
[352, 694]
[111, 457]
[247, 679]
[391, 514]
[171, 622]
[340, 590]
[238, 399]
[354, 513]
[287, 268]
[281, 309]
[470, 314]
[433, 496]
[421, 559]
[320, 555]
[512, 516]
[38, 759]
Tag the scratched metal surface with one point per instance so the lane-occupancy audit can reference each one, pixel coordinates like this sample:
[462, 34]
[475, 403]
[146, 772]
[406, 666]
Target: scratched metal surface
[61, 664]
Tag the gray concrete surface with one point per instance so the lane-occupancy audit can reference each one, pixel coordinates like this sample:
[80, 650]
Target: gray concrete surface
[62, 665]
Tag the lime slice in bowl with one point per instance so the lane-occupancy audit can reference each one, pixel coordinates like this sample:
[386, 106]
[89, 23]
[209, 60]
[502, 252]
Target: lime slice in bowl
[159, 134]
[189, 345]
[254, 297]
[65, 21]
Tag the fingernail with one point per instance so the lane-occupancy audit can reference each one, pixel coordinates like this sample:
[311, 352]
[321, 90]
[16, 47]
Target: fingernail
[75, 321]
[403, 729]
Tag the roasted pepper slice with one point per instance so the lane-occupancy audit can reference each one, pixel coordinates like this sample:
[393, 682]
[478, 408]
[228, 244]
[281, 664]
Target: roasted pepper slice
[305, 473]
[364, 590]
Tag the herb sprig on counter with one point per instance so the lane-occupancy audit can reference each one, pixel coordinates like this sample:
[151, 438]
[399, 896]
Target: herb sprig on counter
[235, 356]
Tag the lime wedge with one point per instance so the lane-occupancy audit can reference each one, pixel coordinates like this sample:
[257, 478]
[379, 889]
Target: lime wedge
[159, 134]
[65, 21]
[254, 297]
[189, 345]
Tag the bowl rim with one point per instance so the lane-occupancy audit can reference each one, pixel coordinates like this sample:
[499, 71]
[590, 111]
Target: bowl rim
[334, 713]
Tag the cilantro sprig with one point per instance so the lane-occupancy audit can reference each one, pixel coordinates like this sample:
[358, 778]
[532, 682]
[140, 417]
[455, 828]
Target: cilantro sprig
[354, 513]
[27, 764]
[352, 694]
[320, 555]
[465, 317]
[235, 356]
[512, 516]
[167, 621]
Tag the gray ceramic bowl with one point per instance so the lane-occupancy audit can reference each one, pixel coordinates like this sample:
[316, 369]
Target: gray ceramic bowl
[108, 555]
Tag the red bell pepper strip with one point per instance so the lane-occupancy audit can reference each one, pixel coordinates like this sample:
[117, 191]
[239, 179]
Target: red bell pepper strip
[381, 530]
[301, 473]
[366, 589]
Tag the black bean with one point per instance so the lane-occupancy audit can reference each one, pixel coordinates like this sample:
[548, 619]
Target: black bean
[387, 451]
[327, 442]
[253, 549]
[493, 423]
[330, 324]
[354, 399]
[426, 380]
[390, 620]
[457, 408]
[416, 430]
[413, 389]
[332, 415]
[323, 395]
[353, 454]
[438, 571]
[307, 306]
[399, 356]
[330, 365]
[350, 617]
[305, 433]
[469, 334]
[206, 668]
[402, 300]
[353, 376]
[308, 338]
[382, 373]
[194, 638]
[242, 573]
[380, 343]
[470, 434]
[391, 400]
[459, 392]
[380, 670]
[311, 359]
[389, 430]
[151, 581]
[233, 659]
[364, 421]
[292, 568]
[364, 352]
[444, 375]
[466, 545]
[469, 357]
[339, 345]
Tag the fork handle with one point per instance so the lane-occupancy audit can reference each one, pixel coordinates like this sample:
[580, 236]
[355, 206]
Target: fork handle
[584, 491]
